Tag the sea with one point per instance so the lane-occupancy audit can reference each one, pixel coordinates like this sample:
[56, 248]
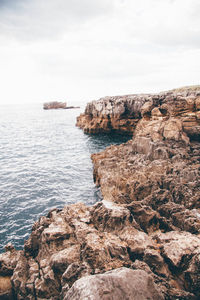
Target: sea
[44, 164]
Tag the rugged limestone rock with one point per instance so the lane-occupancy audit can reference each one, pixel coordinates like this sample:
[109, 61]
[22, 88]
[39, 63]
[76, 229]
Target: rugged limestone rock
[78, 241]
[120, 113]
[174, 113]
[117, 284]
[146, 230]
[8, 262]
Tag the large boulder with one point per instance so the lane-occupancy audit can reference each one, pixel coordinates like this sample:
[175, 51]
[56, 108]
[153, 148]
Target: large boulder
[118, 284]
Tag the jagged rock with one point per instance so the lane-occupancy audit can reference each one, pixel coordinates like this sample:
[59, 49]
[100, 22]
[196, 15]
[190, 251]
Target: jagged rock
[82, 245]
[192, 275]
[108, 216]
[62, 259]
[140, 167]
[8, 262]
[70, 246]
[178, 247]
[168, 115]
[147, 228]
[117, 284]
[6, 292]
[120, 113]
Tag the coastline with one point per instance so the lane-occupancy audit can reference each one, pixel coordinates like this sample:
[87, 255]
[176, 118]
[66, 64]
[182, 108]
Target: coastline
[149, 221]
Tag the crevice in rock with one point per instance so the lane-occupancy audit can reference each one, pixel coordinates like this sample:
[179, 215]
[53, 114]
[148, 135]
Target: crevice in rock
[134, 256]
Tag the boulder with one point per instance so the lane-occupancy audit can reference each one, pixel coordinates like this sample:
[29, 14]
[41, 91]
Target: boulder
[118, 284]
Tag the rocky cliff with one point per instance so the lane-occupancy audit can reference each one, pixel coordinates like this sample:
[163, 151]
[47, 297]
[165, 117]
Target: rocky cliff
[143, 240]
[122, 113]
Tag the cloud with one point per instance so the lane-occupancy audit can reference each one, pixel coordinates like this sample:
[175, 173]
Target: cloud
[9, 3]
[87, 49]
[31, 20]
[168, 23]
[161, 22]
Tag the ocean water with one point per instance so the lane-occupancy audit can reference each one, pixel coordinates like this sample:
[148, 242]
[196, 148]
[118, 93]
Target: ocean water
[44, 163]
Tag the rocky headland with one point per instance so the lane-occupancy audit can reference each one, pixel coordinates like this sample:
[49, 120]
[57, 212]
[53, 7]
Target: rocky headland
[122, 113]
[143, 240]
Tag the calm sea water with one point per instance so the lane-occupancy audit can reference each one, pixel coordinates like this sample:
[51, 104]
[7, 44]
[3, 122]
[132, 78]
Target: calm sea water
[44, 163]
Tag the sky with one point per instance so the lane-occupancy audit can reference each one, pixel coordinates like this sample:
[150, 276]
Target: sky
[81, 50]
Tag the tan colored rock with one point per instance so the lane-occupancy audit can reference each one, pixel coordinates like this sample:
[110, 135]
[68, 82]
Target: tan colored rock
[149, 219]
[173, 130]
[197, 103]
[117, 284]
[62, 259]
[147, 108]
[119, 113]
[6, 288]
[122, 113]
[100, 238]
[156, 113]
[192, 275]
[8, 261]
[177, 246]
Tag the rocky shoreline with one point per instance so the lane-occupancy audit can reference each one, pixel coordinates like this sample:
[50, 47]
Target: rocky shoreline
[122, 113]
[143, 240]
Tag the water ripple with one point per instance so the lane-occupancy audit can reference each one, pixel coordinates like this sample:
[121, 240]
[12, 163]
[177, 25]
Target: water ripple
[44, 163]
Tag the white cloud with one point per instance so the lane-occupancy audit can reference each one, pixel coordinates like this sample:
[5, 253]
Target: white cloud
[32, 20]
[57, 50]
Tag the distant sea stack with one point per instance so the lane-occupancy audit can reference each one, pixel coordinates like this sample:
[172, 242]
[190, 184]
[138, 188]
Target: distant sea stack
[57, 105]
[54, 105]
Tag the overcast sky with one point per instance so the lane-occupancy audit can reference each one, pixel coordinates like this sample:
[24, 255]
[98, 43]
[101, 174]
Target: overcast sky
[80, 50]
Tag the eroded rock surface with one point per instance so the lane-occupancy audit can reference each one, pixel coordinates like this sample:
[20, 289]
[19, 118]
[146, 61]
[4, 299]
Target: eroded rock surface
[118, 284]
[146, 230]
[119, 113]
[174, 113]
[79, 241]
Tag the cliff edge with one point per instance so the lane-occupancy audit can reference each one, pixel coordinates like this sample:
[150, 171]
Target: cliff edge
[122, 113]
[143, 240]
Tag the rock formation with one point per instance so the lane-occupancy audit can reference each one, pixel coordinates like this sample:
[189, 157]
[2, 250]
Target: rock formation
[143, 240]
[57, 105]
[54, 105]
[122, 113]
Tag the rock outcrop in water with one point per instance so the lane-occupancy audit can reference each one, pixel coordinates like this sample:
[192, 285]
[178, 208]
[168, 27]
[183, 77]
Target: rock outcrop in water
[54, 105]
[143, 240]
[57, 105]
